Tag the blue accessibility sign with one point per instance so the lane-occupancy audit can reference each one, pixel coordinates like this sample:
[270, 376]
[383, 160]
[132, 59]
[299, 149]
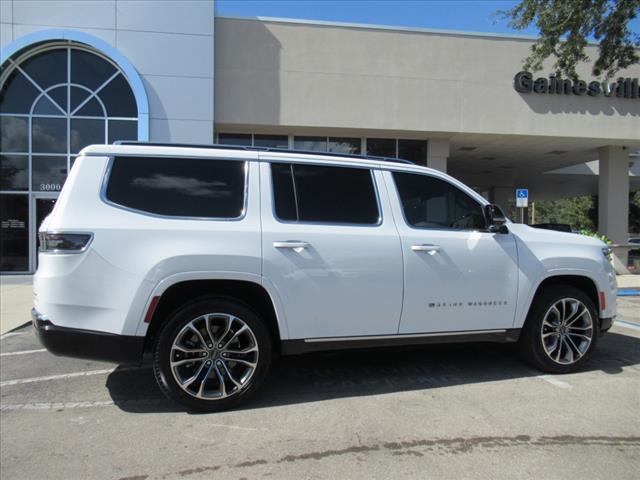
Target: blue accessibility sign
[522, 197]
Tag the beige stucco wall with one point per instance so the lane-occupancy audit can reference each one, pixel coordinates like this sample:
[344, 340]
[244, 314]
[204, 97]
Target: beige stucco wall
[306, 75]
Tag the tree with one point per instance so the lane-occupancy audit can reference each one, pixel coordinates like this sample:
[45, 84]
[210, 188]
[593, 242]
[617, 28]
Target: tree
[582, 212]
[577, 212]
[566, 26]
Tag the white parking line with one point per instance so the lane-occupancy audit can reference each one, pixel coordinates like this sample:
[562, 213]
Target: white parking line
[23, 352]
[87, 404]
[21, 381]
[11, 334]
[625, 324]
[56, 406]
[555, 381]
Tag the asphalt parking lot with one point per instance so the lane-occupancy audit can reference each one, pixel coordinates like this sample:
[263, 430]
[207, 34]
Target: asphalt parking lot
[456, 411]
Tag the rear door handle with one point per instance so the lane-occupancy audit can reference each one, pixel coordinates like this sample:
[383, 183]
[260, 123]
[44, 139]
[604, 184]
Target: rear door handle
[291, 244]
[431, 249]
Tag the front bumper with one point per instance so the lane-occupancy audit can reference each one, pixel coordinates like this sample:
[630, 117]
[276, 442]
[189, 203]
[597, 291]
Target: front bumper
[606, 324]
[89, 344]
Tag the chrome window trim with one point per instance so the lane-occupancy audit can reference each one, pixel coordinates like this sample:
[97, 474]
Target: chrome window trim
[335, 224]
[65, 252]
[245, 204]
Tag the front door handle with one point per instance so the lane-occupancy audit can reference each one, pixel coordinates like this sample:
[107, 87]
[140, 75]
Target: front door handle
[430, 249]
[291, 244]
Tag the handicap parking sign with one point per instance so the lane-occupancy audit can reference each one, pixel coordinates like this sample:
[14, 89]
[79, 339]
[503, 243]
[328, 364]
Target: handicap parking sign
[522, 197]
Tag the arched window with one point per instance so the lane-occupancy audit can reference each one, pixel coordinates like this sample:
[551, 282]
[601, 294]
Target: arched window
[55, 99]
[54, 102]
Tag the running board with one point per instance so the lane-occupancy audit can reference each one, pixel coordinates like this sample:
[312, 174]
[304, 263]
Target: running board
[294, 347]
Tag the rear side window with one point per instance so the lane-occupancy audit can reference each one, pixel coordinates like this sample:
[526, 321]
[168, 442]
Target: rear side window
[181, 187]
[433, 203]
[315, 193]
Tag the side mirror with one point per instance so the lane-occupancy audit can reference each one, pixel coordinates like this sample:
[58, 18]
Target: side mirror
[496, 221]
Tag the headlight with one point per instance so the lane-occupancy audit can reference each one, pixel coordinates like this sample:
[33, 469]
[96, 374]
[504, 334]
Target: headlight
[607, 252]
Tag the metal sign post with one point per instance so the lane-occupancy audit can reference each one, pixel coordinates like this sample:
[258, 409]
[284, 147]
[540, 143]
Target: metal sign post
[522, 201]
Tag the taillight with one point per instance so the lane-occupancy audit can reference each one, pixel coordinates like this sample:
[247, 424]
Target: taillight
[64, 242]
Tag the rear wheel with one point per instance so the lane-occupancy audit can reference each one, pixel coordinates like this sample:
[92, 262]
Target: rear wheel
[561, 330]
[212, 355]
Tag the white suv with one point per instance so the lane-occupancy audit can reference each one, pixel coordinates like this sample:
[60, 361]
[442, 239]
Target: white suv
[213, 259]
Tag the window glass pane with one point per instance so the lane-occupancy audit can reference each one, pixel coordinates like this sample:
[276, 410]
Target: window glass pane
[344, 145]
[413, 150]
[335, 194]
[14, 134]
[91, 109]
[432, 203]
[235, 139]
[17, 94]
[283, 193]
[14, 233]
[122, 130]
[59, 95]
[14, 172]
[271, 141]
[89, 70]
[179, 186]
[86, 132]
[46, 107]
[49, 173]
[118, 98]
[47, 68]
[78, 96]
[381, 147]
[316, 144]
[49, 135]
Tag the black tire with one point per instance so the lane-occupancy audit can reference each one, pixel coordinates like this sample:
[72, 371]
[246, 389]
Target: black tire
[162, 354]
[531, 342]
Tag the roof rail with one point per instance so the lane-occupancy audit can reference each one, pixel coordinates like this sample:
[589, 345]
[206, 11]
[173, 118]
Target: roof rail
[262, 149]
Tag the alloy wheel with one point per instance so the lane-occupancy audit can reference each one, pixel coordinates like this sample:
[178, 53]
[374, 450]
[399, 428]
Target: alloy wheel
[214, 356]
[567, 331]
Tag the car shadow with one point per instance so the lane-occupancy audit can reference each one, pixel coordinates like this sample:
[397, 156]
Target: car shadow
[325, 376]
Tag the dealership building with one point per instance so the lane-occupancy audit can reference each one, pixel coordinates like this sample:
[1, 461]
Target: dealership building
[77, 73]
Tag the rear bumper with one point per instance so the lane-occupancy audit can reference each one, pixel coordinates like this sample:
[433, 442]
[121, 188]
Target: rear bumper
[89, 344]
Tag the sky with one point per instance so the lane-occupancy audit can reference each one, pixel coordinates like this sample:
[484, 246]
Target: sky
[464, 15]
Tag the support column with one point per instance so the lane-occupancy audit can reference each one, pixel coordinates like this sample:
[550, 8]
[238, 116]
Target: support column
[613, 193]
[438, 154]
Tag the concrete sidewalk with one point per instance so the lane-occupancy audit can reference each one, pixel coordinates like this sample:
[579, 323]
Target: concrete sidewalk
[628, 281]
[16, 293]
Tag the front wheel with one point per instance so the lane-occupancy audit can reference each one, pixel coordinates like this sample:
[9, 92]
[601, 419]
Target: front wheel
[561, 330]
[212, 355]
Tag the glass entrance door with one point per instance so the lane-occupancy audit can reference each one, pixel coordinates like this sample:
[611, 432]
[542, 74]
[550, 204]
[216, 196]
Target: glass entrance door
[42, 208]
[14, 233]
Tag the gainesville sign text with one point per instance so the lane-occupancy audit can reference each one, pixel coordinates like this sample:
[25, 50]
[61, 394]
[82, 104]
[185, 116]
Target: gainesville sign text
[523, 82]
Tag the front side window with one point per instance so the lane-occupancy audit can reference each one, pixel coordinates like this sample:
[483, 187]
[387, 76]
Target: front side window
[316, 193]
[429, 202]
[181, 187]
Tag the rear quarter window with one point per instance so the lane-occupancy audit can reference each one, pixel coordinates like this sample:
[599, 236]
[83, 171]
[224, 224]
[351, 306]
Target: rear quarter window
[178, 187]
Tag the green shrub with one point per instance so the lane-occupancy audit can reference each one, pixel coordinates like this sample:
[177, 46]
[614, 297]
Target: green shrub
[590, 233]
